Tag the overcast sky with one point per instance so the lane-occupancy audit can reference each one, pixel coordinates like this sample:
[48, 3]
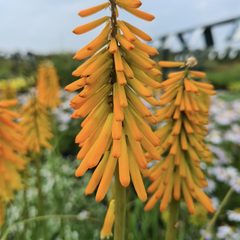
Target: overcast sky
[45, 26]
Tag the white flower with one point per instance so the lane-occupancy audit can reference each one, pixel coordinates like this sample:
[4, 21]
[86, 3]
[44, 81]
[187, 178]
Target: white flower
[236, 107]
[225, 232]
[222, 157]
[236, 184]
[83, 214]
[217, 106]
[220, 173]
[231, 174]
[233, 135]
[225, 118]
[234, 215]
[215, 202]
[214, 136]
[211, 186]
[208, 235]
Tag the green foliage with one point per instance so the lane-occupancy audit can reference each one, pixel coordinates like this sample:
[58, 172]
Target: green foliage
[224, 75]
[63, 194]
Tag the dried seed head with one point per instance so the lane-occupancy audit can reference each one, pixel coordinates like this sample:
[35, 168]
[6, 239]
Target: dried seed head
[192, 61]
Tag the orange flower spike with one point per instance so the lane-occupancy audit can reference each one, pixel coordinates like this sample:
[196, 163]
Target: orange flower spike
[139, 13]
[187, 197]
[147, 145]
[113, 46]
[204, 200]
[130, 121]
[202, 85]
[100, 71]
[95, 65]
[136, 176]
[108, 221]
[144, 128]
[93, 101]
[136, 148]
[75, 85]
[121, 79]
[197, 74]
[146, 48]
[138, 87]
[127, 70]
[117, 109]
[171, 64]
[141, 76]
[138, 32]
[97, 175]
[124, 42]
[122, 96]
[106, 178]
[155, 184]
[116, 129]
[187, 85]
[90, 26]
[182, 104]
[140, 60]
[102, 37]
[193, 102]
[81, 68]
[183, 140]
[188, 178]
[93, 10]
[94, 154]
[167, 195]
[101, 112]
[118, 61]
[124, 163]
[127, 33]
[177, 186]
[170, 75]
[84, 53]
[129, 3]
[188, 105]
[171, 81]
[116, 148]
[151, 203]
[177, 126]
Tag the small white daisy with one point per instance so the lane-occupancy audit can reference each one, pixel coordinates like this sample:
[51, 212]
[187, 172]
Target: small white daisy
[220, 154]
[225, 232]
[211, 186]
[214, 136]
[236, 184]
[220, 173]
[208, 235]
[234, 215]
[215, 202]
[231, 174]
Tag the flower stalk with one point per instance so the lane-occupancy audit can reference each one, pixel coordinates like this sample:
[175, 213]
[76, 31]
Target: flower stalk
[173, 219]
[120, 209]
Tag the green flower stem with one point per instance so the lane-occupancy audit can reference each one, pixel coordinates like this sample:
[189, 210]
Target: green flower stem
[40, 196]
[25, 210]
[173, 218]
[41, 218]
[211, 223]
[120, 208]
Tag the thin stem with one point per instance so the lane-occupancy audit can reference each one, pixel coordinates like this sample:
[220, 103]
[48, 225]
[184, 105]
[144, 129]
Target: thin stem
[211, 223]
[173, 218]
[25, 210]
[120, 208]
[40, 218]
[41, 211]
